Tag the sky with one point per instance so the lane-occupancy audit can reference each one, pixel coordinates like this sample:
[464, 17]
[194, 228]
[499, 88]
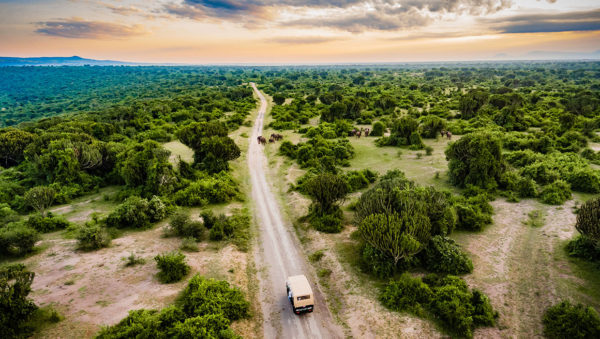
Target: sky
[301, 31]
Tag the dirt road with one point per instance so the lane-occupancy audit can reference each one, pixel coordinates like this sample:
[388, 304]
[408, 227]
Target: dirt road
[279, 256]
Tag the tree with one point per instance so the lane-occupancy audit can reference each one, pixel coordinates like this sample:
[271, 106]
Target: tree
[399, 235]
[15, 307]
[278, 98]
[146, 165]
[12, 145]
[475, 159]
[470, 103]
[325, 190]
[40, 198]
[588, 220]
[212, 147]
[336, 111]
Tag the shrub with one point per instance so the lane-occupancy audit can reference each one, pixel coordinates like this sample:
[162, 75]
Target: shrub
[208, 296]
[359, 179]
[443, 255]
[50, 223]
[585, 248]
[316, 256]
[556, 193]
[571, 321]
[428, 150]
[92, 236]
[133, 260]
[377, 262]
[328, 223]
[588, 220]
[431, 126]
[40, 198]
[447, 298]
[473, 213]
[133, 212]
[172, 267]
[475, 159]
[213, 189]
[204, 310]
[15, 307]
[189, 244]
[17, 239]
[157, 209]
[208, 219]
[182, 226]
[406, 294]
[378, 129]
[459, 309]
[584, 180]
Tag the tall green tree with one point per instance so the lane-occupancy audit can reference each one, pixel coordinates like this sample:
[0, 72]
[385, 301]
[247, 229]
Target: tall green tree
[476, 159]
[400, 235]
[213, 149]
[325, 190]
[12, 145]
[40, 198]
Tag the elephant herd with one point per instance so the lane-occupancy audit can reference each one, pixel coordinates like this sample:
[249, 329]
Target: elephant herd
[274, 137]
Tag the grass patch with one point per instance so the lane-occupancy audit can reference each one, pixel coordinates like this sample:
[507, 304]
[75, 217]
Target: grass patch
[316, 256]
[536, 218]
[133, 260]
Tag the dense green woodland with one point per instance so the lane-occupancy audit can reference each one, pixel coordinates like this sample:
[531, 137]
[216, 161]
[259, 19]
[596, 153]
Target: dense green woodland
[519, 131]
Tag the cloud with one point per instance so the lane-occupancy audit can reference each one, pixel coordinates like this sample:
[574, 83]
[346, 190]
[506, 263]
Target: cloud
[77, 28]
[537, 23]
[366, 22]
[300, 40]
[349, 15]
[122, 10]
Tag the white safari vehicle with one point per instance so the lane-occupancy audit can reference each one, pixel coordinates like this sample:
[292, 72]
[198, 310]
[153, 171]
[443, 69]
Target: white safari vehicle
[300, 294]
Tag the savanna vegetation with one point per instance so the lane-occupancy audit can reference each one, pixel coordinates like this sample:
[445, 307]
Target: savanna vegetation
[515, 131]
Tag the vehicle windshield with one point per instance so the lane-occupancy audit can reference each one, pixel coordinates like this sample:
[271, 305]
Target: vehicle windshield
[303, 297]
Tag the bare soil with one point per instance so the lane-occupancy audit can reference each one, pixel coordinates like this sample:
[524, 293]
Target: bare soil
[92, 289]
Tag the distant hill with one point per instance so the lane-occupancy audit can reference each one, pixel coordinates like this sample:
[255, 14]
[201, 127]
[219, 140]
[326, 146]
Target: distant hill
[60, 61]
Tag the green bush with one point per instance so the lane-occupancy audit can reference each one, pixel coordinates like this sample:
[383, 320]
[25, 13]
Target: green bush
[406, 294]
[571, 321]
[213, 189]
[584, 248]
[588, 220]
[172, 266]
[473, 213]
[204, 310]
[15, 307]
[556, 193]
[208, 296]
[446, 298]
[17, 239]
[443, 255]
[475, 159]
[459, 309]
[235, 228]
[132, 213]
[182, 226]
[377, 262]
[92, 236]
[49, 223]
[328, 223]
[378, 129]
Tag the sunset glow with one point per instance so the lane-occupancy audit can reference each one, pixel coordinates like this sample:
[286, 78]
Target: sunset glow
[265, 31]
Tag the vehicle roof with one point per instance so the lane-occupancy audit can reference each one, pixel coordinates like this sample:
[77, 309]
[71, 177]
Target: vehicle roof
[299, 285]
